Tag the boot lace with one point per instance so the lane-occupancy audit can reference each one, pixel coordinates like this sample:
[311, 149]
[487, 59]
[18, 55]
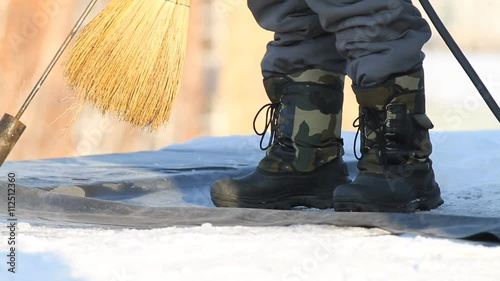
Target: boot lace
[271, 122]
[357, 124]
[369, 121]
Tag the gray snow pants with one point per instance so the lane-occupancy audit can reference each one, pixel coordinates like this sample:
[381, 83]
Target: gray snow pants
[369, 40]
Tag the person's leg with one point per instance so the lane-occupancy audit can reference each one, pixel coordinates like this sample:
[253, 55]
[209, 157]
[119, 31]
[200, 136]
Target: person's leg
[303, 77]
[300, 42]
[379, 38]
[382, 41]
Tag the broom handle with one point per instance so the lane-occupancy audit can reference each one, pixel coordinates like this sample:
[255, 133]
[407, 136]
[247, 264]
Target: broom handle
[55, 59]
[459, 55]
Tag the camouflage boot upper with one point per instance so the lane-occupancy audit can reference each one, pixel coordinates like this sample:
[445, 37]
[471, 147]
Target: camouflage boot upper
[394, 126]
[306, 121]
[303, 163]
[395, 172]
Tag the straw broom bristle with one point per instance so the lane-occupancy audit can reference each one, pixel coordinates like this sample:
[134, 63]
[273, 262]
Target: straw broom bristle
[129, 59]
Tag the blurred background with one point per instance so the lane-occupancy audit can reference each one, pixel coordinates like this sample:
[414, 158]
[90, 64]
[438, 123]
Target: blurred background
[222, 88]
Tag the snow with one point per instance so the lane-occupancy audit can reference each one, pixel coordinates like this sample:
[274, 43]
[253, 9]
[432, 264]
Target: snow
[239, 253]
[303, 252]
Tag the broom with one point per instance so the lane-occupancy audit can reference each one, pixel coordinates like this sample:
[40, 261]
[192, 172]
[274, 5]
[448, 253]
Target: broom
[129, 60]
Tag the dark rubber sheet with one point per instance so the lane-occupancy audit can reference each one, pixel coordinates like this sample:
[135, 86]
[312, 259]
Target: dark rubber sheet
[170, 187]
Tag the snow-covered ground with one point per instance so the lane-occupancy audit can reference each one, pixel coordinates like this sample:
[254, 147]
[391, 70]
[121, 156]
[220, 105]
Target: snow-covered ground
[237, 253]
[287, 253]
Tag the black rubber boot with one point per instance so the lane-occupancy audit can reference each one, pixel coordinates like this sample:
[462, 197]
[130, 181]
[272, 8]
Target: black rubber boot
[395, 172]
[303, 163]
[263, 189]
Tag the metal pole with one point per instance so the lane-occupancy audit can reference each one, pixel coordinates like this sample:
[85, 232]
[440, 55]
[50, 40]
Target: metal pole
[459, 55]
[55, 59]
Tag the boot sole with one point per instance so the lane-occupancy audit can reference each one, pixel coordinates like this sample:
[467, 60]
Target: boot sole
[309, 201]
[422, 204]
